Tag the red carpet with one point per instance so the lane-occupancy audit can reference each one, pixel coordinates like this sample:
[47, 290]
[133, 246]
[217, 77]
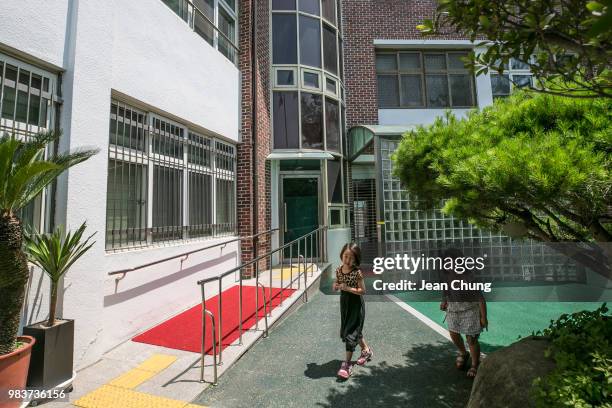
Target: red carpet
[184, 331]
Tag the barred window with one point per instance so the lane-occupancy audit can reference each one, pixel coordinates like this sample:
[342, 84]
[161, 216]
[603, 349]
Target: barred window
[165, 182]
[415, 79]
[26, 108]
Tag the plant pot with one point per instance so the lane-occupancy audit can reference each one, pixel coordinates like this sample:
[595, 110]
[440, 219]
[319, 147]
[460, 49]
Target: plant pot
[14, 372]
[52, 355]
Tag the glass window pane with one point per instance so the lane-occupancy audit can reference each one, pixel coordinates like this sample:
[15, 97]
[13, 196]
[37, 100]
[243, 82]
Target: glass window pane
[36, 80]
[435, 62]
[231, 3]
[203, 18]
[11, 72]
[284, 39]
[312, 121]
[34, 113]
[200, 204]
[455, 60]
[126, 206]
[521, 81]
[334, 181]
[500, 84]
[517, 64]
[167, 203]
[388, 93]
[311, 79]
[8, 102]
[285, 77]
[412, 94]
[227, 27]
[22, 106]
[437, 91]
[329, 10]
[285, 111]
[340, 60]
[410, 61]
[461, 90]
[332, 124]
[310, 41]
[330, 53]
[310, 6]
[330, 85]
[283, 4]
[226, 199]
[386, 62]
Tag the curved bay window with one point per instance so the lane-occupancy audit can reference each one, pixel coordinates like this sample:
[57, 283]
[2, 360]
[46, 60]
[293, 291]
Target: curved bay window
[307, 75]
[308, 107]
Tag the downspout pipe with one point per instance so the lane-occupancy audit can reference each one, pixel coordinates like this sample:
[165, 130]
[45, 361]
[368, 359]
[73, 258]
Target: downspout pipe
[255, 206]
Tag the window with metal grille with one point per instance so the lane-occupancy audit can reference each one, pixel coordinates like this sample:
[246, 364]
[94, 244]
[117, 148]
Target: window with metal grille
[27, 107]
[432, 79]
[165, 182]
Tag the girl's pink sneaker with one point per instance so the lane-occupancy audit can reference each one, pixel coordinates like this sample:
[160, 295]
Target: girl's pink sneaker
[365, 356]
[345, 370]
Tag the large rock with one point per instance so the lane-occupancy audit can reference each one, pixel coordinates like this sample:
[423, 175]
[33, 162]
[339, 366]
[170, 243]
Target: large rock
[505, 376]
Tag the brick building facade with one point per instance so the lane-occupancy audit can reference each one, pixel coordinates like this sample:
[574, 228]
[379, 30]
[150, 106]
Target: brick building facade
[365, 21]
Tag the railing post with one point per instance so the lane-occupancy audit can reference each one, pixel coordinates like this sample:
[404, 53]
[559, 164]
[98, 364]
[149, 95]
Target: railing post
[203, 333]
[311, 255]
[270, 265]
[240, 307]
[299, 254]
[282, 265]
[214, 344]
[256, 294]
[219, 313]
[291, 266]
[265, 308]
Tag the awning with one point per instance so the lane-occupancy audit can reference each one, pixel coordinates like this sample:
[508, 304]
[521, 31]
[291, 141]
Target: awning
[360, 136]
[299, 155]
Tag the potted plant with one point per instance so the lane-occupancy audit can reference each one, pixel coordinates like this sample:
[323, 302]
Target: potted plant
[24, 173]
[52, 353]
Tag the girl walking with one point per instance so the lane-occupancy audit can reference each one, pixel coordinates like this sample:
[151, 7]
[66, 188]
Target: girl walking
[349, 280]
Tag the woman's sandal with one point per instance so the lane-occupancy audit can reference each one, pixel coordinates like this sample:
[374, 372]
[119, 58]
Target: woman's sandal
[461, 360]
[472, 372]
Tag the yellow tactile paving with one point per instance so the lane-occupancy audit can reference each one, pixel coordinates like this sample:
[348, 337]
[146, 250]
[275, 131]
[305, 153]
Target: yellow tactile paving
[108, 396]
[157, 363]
[286, 272]
[132, 378]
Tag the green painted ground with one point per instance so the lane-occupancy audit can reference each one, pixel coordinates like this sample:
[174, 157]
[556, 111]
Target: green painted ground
[296, 365]
[508, 320]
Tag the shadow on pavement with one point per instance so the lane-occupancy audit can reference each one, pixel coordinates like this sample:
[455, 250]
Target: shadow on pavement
[427, 378]
[329, 369]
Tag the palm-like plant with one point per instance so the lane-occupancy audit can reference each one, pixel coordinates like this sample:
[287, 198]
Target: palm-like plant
[55, 253]
[24, 173]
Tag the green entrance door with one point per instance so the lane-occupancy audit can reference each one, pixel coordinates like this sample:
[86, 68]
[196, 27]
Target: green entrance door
[301, 213]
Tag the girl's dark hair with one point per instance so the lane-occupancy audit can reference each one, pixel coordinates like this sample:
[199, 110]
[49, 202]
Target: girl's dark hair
[351, 246]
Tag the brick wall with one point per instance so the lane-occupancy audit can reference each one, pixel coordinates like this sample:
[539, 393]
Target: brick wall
[250, 191]
[363, 22]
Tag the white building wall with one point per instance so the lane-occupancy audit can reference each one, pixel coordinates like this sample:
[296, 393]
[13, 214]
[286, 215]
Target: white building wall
[140, 49]
[49, 18]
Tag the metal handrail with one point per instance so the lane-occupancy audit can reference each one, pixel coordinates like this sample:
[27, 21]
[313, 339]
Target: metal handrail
[265, 305]
[259, 258]
[186, 254]
[196, 9]
[322, 256]
[212, 319]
